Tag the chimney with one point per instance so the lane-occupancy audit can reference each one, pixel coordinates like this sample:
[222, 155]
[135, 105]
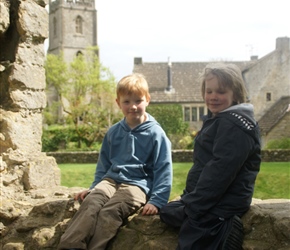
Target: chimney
[169, 76]
[283, 43]
[254, 58]
[138, 60]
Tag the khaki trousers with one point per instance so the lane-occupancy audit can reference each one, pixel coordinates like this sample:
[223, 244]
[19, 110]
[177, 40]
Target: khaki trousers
[101, 214]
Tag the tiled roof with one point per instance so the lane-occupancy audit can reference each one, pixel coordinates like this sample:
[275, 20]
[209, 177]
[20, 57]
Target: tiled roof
[185, 80]
[274, 115]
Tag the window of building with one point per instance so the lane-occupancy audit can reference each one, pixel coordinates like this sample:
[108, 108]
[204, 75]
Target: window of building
[193, 113]
[186, 114]
[268, 97]
[54, 27]
[79, 25]
[201, 113]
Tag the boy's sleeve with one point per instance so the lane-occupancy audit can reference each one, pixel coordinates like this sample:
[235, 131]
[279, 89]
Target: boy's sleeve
[162, 179]
[103, 162]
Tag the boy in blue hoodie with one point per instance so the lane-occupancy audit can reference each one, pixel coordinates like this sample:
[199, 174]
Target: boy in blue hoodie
[134, 169]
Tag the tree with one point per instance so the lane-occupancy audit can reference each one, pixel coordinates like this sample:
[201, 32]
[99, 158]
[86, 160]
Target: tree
[86, 94]
[172, 124]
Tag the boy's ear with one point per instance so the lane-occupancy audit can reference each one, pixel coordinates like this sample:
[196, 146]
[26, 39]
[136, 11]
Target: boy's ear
[148, 99]
[117, 101]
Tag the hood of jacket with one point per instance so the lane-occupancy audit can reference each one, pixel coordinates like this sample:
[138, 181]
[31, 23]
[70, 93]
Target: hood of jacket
[244, 109]
[141, 127]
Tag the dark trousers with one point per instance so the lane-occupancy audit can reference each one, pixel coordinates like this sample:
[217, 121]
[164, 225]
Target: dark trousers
[207, 233]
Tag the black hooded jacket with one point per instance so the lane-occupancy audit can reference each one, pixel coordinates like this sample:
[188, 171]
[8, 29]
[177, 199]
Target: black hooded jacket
[226, 162]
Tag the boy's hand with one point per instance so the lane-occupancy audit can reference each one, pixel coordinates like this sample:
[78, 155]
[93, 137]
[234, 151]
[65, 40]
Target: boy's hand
[81, 195]
[149, 209]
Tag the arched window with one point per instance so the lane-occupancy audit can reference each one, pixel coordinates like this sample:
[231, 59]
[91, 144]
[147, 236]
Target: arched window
[79, 53]
[54, 27]
[79, 25]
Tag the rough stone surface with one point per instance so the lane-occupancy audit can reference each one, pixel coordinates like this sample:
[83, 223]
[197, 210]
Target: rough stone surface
[25, 172]
[37, 221]
[23, 167]
[4, 20]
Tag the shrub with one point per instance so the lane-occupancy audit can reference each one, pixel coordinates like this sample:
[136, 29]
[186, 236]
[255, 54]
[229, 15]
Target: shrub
[283, 143]
[170, 117]
[66, 138]
[55, 138]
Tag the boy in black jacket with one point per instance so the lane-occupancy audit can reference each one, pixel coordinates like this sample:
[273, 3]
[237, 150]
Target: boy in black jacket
[220, 184]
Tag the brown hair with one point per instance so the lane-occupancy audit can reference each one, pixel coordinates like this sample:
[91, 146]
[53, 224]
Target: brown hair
[133, 84]
[229, 76]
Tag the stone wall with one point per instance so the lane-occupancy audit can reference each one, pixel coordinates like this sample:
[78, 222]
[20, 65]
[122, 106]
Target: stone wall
[38, 223]
[23, 29]
[277, 155]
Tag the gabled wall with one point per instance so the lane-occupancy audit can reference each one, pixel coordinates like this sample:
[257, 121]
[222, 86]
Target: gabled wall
[271, 74]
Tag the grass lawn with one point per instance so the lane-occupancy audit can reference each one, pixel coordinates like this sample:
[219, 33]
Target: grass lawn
[273, 181]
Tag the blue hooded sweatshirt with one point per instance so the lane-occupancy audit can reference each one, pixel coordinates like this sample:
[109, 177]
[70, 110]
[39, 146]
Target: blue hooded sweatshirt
[140, 156]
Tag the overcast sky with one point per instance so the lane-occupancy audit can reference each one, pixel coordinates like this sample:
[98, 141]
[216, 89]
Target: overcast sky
[187, 30]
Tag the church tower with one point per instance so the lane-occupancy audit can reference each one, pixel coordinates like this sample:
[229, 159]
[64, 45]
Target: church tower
[72, 27]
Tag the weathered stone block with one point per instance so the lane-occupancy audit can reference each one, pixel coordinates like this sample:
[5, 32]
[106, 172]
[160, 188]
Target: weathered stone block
[41, 172]
[28, 99]
[21, 131]
[32, 54]
[27, 76]
[4, 17]
[33, 20]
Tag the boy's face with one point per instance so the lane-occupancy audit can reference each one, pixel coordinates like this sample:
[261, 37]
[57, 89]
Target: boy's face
[217, 98]
[133, 107]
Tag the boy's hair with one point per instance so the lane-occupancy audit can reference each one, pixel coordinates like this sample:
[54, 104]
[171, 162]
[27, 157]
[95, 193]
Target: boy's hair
[133, 84]
[229, 76]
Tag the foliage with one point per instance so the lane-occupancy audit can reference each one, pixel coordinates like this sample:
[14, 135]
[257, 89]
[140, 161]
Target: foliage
[55, 138]
[65, 138]
[283, 143]
[170, 117]
[86, 95]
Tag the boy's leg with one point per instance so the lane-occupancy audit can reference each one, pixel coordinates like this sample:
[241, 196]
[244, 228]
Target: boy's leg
[234, 235]
[173, 213]
[125, 202]
[210, 232]
[82, 226]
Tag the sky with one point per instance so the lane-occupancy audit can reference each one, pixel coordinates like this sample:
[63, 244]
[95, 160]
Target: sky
[187, 30]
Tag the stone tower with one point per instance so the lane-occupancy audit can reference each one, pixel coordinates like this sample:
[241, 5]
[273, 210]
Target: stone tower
[72, 27]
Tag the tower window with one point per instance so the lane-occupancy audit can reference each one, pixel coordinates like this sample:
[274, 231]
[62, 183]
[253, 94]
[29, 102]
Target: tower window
[79, 25]
[54, 27]
[79, 53]
[268, 97]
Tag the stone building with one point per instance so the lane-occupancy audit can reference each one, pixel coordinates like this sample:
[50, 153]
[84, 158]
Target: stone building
[267, 80]
[72, 27]
[177, 82]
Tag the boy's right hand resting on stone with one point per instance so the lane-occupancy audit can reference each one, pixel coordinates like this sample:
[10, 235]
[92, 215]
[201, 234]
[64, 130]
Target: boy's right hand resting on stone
[81, 195]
